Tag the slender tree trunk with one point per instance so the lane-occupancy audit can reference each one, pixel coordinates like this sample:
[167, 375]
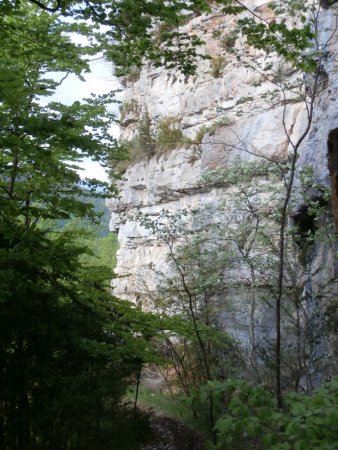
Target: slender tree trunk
[12, 178]
[283, 227]
[299, 337]
[137, 387]
[253, 359]
[22, 400]
[184, 378]
[199, 339]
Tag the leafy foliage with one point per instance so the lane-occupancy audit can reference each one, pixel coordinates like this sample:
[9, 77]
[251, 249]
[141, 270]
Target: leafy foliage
[169, 134]
[152, 140]
[63, 349]
[136, 30]
[228, 41]
[66, 345]
[306, 421]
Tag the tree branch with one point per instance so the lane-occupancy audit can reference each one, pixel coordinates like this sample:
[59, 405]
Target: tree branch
[47, 8]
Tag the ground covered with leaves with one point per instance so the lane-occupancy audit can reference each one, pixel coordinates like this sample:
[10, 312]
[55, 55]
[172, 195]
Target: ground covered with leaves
[170, 434]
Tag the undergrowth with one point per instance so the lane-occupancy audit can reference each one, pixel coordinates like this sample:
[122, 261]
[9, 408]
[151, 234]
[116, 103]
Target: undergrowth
[177, 406]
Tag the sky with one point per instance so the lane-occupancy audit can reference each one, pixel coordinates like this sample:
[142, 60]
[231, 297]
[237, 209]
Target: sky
[100, 81]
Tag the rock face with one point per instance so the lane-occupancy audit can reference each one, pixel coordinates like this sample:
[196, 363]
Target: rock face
[245, 119]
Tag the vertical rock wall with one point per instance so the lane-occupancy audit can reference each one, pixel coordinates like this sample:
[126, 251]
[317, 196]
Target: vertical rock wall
[243, 116]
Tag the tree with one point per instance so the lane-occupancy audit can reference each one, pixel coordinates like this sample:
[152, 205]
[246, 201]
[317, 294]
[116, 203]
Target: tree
[129, 29]
[67, 348]
[279, 37]
[132, 39]
[199, 351]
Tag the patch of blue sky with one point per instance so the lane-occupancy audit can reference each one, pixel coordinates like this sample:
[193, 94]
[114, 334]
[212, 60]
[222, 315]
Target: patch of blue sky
[100, 80]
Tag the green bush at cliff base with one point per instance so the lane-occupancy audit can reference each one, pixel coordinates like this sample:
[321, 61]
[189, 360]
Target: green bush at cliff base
[307, 421]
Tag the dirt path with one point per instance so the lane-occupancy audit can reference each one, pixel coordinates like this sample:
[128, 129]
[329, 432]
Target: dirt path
[171, 434]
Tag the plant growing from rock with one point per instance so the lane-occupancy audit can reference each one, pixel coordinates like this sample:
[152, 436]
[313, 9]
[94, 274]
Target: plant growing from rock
[142, 146]
[217, 65]
[134, 74]
[242, 100]
[127, 107]
[169, 135]
[227, 42]
[222, 121]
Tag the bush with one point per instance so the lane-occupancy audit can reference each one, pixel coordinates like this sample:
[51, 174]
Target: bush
[211, 129]
[127, 107]
[216, 34]
[308, 421]
[200, 134]
[217, 65]
[242, 100]
[228, 41]
[131, 73]
[134, 74]
[151, 141]
[169, 135]
[142, 146]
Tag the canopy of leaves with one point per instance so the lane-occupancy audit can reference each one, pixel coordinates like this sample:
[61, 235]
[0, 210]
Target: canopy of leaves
[129, 36]
[67, 347]
[306, 422]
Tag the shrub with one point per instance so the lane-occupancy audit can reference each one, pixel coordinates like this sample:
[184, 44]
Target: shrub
[252, 417]
[127, 107]
[146, 141]
[149, 142]
[244, 100]
[228, 41]
[169, 135]
[142, 146]
[200, 134]
[134, 74]
[219, 123]
[211, 129]
[131, 73]
[119, 169]
[217, 65]
[216, 34]
[256, 83]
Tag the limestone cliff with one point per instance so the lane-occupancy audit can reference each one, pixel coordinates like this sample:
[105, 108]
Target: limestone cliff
[244, 117]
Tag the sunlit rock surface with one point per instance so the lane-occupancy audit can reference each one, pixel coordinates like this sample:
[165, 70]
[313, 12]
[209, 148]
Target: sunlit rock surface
[252, 124]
